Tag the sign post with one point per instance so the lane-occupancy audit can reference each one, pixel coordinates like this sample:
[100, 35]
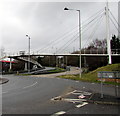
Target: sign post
[111, 75]
[101, 87]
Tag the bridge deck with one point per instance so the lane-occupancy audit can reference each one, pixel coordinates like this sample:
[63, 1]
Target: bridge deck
[63, 55]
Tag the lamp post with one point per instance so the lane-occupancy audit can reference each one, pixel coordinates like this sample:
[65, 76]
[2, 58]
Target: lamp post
[79, 19]
[28, 53]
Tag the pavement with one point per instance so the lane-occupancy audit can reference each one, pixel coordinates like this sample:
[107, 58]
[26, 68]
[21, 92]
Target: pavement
[92, 98]
[106, 99]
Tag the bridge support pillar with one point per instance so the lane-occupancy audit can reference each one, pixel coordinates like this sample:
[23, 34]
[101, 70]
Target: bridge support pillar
[25, 66]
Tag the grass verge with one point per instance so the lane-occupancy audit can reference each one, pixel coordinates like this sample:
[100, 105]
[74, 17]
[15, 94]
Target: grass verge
[92, 76]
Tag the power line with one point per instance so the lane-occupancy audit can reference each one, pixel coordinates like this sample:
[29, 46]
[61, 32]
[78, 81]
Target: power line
[56, 40]
[68, 44]
[95, 29]
[114, 24]
[97, 18]
[94, 18]
[93, 32]
[93, 22]
[114, 18]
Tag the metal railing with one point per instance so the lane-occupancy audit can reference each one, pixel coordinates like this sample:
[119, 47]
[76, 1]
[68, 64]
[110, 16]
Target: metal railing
[31, 60]
[85, 51]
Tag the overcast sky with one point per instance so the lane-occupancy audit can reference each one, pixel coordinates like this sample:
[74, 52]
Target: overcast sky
[47, 22]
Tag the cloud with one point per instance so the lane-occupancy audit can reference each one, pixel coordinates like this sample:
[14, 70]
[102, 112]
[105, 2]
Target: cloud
[45, 22]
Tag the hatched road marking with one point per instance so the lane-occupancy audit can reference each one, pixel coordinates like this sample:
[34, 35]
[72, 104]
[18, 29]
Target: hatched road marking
[75, 100]
[80, 105]
[59, 113]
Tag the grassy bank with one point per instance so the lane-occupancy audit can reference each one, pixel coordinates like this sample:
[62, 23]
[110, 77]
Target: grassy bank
[92, 76]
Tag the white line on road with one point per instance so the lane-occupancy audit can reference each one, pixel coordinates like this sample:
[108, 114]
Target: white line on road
[5, 92]
[75, 100]
[71, 92]
[30, 85]
[77, 81]
[80, 105]
[59, 113]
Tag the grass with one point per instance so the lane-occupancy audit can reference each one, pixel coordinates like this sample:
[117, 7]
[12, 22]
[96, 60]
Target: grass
[20, 74]
[92, 76]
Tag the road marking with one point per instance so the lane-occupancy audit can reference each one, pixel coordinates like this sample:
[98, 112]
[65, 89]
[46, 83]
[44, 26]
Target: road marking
[77, 81]
[57, 98]
[30, 85]
[80, 105]
[59, 113]
[81, 92]
[71, 92]
[5, 92]
[75, 100]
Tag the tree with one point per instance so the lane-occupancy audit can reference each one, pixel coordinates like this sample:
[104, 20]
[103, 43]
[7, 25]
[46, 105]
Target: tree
[99, 43]
[97, 46]
[115, 44]
[2, 52]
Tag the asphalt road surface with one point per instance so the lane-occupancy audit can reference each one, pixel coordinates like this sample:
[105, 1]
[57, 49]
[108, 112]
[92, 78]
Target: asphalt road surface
[32, 95]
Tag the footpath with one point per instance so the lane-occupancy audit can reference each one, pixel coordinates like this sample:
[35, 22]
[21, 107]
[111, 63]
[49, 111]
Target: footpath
[73, 70]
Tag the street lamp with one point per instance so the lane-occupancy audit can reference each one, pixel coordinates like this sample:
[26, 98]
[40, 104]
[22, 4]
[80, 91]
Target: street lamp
[28, 53]
[79, 19]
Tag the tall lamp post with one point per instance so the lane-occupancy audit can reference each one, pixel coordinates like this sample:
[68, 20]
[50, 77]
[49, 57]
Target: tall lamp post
[79, 19]
[28, 53]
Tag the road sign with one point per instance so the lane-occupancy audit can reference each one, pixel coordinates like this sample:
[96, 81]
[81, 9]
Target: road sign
[108, 74]
[111, 75]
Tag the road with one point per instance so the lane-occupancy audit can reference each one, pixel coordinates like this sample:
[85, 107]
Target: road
[33, 94]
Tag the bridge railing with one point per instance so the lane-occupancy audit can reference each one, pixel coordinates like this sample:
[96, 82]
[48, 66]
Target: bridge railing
[94, 51]
[91, 51]
[100, 51]
[115, 51]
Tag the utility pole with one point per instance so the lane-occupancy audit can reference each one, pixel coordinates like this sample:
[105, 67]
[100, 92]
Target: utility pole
[108, 34]
[79, 23]
[28, 53]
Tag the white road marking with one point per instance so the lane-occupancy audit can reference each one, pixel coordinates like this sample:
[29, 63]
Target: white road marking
[75, 100]
[5, 92]
[65, 94]
[71, 92]
[30, 85]
[80, 105]
[77, 81]
[59, 113]
[81, 92]
[55, 98]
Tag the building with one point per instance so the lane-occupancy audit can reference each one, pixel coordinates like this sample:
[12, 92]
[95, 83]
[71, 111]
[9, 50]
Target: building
[5, 65]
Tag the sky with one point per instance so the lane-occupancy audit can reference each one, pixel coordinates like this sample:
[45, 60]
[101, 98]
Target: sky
[49, 25]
